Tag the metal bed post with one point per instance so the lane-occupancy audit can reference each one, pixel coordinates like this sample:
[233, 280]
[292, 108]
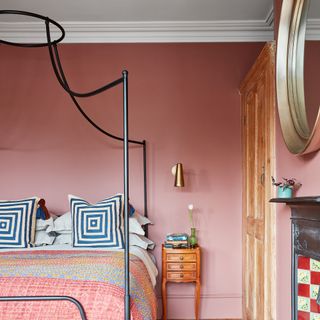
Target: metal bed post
[145, 196]
[126, 194]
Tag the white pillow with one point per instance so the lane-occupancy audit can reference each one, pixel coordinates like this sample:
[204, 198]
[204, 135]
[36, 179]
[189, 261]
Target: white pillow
[135, 227]
[42, 238]
[65, 238]
[141, 219]
[62, 224]
[43, 224]
[141, 241]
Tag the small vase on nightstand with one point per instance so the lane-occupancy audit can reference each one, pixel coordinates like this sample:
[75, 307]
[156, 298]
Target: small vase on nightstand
[193, 238]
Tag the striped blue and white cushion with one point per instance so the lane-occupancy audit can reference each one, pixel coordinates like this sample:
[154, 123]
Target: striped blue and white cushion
[98, 225]
[17, 223]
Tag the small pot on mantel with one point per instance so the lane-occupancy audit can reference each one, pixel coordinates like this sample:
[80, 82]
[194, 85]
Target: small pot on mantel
[284, 192]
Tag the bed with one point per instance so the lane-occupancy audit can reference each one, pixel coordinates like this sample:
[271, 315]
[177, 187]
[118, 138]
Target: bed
[92, 277]
[34, 281]
[72, 266]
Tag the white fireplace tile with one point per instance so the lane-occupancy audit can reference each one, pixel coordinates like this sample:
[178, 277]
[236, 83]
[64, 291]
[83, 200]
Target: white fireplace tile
[314, 316]
[314, 265]
[303, 276]
[314, 289]
[303, 304]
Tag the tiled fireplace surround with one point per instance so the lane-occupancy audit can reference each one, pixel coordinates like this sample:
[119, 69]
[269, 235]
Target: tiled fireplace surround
[305, 257]
[308, 281]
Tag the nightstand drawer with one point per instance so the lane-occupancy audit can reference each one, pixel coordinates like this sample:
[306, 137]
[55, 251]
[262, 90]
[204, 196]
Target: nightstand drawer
[181, 257]
[181, 275]
[182, 266]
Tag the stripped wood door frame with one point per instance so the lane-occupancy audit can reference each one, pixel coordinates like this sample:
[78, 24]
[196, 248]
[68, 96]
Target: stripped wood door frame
[261, 72]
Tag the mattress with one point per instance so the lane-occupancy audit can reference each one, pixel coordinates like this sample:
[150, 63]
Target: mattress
[94, 277]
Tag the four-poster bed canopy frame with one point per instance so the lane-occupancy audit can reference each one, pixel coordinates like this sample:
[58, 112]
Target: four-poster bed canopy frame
[58, 70]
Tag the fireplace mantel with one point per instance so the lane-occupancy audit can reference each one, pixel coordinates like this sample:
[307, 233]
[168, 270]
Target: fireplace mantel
[301, 201]
[302, 207]
[305, 238]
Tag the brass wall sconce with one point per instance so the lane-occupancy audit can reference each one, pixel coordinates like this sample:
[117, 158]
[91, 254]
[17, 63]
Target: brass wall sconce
[177, 171]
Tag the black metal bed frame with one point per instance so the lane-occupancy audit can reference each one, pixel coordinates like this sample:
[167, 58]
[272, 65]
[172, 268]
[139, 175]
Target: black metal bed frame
[58, 70]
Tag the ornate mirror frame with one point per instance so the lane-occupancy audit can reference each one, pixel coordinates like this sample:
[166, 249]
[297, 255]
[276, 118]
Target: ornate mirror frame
[290, 79]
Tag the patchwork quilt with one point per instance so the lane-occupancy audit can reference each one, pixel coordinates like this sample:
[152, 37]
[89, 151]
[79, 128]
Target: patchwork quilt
[94, 278]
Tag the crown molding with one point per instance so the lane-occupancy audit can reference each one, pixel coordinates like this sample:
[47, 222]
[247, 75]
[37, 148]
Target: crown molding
[145, 32]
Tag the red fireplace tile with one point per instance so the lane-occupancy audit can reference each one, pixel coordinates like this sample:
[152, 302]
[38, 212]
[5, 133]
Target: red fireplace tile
[303, 290]
[315, 277]
[303, 315]
[314, 307]
[303, 262]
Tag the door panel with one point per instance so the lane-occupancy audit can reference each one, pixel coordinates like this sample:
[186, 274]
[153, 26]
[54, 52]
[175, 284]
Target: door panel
[255, 208]
[258, 215]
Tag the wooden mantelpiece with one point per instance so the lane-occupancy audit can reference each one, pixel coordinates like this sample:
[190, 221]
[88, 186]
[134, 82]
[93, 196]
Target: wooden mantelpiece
[305, 236]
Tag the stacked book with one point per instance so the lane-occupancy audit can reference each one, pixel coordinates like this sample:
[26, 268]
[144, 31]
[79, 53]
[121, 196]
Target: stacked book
[176, 240]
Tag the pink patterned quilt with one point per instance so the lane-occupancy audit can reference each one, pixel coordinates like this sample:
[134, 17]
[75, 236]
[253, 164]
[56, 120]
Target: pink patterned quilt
[94, 278]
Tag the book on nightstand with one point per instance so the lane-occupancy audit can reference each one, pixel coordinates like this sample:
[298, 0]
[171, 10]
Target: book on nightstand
[176, 240]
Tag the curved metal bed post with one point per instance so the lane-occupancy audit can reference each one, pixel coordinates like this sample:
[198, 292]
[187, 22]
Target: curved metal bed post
[38, 16]
[48, 298]
[59, 73]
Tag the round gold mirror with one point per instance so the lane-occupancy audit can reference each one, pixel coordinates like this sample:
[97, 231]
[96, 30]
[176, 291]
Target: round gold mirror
[299, 137]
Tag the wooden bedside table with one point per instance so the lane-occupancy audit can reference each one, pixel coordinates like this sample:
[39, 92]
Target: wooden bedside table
[180, 265]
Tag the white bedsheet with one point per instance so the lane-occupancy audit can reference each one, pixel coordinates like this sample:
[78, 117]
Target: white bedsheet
[142, 254]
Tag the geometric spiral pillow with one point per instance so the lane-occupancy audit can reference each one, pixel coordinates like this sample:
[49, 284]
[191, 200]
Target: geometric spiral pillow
[17, 223]
[97, 225]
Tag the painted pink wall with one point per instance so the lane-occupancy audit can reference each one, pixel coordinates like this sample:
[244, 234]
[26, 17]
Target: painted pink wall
[183, 100]
[306, 170]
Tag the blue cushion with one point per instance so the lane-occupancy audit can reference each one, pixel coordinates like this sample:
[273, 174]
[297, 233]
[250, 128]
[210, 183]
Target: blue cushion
[132, 210]
[17, 223]
[41, 215]
[98, 225]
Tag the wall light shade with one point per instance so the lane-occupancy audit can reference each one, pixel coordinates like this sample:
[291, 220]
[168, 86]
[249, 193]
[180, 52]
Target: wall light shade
[177, 170]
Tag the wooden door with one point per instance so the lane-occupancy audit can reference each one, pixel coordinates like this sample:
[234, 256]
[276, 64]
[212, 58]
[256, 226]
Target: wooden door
[258, 108]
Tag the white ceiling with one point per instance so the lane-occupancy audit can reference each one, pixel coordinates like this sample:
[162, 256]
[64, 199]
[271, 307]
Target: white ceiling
[144, 10]
[314, 10]
[143, 20]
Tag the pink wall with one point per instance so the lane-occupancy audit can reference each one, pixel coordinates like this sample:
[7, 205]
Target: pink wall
[306, 170]
[183, 100]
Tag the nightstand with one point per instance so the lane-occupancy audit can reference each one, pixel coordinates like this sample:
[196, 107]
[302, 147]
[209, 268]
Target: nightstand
[180, 265]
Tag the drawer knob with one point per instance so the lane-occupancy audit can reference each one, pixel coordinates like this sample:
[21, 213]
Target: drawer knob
[181, 275]
[181, 257]
[181, 266]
